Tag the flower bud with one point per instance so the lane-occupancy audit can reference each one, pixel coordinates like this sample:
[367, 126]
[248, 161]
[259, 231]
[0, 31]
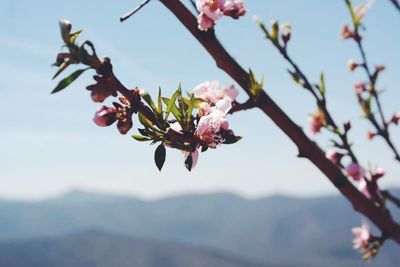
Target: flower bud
[360, 87]
[352, 65]
[395, 118]
[274, 30]
[347, 126]
[316, 122]
[380, 68]
[65, 28]
[346, 32]
[355, 171]
[371, 135]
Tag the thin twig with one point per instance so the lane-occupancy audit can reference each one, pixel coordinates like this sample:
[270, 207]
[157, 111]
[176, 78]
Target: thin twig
[321, 101]
[382, 126]
[396, 4]
[136, 9]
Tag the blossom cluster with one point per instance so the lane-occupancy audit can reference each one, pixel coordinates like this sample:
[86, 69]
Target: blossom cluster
[211, 125]
[199, 121]
[212, 10]
[208, 128]
[365, 243]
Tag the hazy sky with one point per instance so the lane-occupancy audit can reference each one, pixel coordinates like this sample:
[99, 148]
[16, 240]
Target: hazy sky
[49, 144]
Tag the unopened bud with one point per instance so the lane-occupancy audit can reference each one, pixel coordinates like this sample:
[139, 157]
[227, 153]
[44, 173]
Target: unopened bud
[360, 87]
[371, 135]
[347, 126]
[346, 32]
[379, 68]
[65, 28]
[352, 65]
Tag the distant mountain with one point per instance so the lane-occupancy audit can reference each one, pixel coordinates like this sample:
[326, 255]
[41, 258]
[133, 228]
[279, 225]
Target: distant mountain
[98, 249]
[277, 229]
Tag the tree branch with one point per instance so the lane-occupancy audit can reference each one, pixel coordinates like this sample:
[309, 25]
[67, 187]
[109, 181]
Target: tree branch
[307, 148]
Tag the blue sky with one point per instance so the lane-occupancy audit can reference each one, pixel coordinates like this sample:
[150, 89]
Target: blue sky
[48, 143]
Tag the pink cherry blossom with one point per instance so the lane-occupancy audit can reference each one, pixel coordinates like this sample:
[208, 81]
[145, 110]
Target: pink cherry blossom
[211, 8]
[105, 116]
[205, 22]
[211, 92]
[316, 121]
[210, 126]
[355, 171]
[361, 238]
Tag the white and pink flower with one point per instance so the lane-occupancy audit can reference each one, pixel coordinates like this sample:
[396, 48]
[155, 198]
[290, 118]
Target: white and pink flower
[211, 92]
[316, 122]
[210, 126]
[361, 238]
[213, 10]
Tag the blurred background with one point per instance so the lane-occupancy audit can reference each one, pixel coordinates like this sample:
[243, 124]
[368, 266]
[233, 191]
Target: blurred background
[74, 194]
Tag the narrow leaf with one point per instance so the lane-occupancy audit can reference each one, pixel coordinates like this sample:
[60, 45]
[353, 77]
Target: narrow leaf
[231, 139]
[190, 107]
[141, 138]
[189, 162]
[159, 156]
[68, 80]
[74, 35]
[61, 68]
[160, 104]
[322, 88]
[146, 96]
[171, 103]
[144, 121]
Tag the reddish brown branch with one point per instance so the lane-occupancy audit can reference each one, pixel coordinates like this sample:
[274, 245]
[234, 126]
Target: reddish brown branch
[307, 148]
[236, 107]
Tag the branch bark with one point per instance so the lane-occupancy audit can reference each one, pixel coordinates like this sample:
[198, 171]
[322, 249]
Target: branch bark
[307, 148]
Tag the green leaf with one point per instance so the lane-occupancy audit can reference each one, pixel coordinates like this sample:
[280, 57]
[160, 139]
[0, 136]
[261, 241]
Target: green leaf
[160, 104]
[61, 68]
[141, 138]
[68, 80]
[144, 121]
[171, 104]
[296, 77]
[322, 88]
[190, 107]
[74, 35]
[181, 103]
[255, 86]
[146, 96]
[159, 156]
[189, 162]
[231, 139]
[174, 109]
